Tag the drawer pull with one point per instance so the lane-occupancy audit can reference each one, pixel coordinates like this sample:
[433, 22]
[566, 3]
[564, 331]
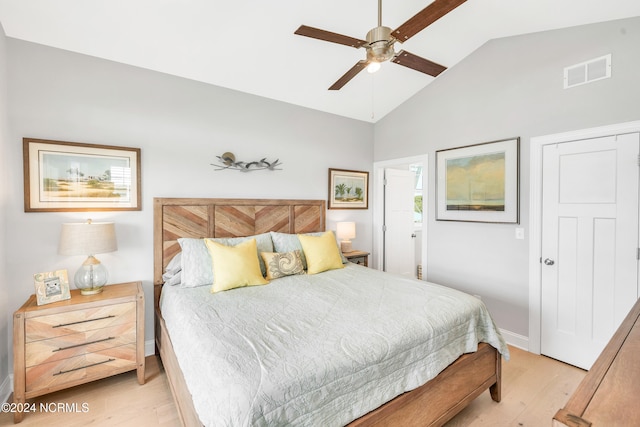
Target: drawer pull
[83, 321]
[83, 367]
[80, 345]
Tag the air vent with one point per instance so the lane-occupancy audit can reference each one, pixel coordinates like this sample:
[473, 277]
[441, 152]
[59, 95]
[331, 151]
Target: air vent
[587, 72]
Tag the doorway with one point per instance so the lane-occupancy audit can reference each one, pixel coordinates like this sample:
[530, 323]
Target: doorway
[419, 166]
[576, 148]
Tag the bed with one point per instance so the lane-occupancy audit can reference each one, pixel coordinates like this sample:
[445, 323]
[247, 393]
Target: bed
[368, 369]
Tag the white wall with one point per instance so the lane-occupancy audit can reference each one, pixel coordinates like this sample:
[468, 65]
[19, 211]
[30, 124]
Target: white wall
[5, 316]
[180, 126]
[509, 87]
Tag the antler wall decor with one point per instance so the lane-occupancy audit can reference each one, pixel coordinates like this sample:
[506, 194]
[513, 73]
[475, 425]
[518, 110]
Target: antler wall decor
[228, 161]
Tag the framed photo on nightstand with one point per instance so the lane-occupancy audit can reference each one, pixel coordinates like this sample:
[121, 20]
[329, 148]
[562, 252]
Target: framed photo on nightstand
[51, 286]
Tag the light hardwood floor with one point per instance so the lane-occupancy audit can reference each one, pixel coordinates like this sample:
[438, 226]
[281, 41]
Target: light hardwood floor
[533, 389]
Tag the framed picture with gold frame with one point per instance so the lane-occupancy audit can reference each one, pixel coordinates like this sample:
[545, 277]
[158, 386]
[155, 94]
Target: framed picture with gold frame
[348, 189]
[72, 176]
[51, 286]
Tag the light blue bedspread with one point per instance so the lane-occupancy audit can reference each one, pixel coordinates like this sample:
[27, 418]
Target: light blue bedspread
[318, 350]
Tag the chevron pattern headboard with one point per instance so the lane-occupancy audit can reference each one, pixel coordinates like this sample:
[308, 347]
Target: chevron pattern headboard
[198, 218]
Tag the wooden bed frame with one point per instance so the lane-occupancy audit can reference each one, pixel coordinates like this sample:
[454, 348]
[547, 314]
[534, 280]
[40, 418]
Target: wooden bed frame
[432, 404]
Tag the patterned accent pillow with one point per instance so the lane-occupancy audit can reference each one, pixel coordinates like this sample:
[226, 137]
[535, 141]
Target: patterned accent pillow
[281, 264]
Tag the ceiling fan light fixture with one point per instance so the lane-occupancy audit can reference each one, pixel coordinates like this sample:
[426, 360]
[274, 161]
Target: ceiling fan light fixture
[380, 44]
[379, 34]
[380, 40]
[373, 67]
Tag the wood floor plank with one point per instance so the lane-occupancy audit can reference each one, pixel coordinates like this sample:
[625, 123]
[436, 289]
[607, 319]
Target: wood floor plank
[533, 389]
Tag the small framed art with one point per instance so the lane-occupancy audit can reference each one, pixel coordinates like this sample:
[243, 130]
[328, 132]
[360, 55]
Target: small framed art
[348, 189]
[479, 183]
[51, 286]
[71, 176]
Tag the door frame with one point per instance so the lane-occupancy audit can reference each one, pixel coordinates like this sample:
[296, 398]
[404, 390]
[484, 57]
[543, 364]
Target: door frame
[378, 207]
[535, 211]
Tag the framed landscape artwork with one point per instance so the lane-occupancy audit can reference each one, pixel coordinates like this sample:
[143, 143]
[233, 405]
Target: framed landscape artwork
[479, 183]
[71, 176]
[348, 189]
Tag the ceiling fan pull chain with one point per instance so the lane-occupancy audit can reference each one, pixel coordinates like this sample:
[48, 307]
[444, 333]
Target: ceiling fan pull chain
[373, 99]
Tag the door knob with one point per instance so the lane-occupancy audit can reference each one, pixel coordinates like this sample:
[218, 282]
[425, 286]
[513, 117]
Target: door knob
[548, 261]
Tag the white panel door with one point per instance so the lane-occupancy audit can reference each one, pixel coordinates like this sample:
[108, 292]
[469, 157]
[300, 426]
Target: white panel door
[399, 237]
[589, 264]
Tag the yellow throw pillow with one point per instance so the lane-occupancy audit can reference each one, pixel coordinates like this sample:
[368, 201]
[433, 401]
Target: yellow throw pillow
[321, 252]
[235, 266]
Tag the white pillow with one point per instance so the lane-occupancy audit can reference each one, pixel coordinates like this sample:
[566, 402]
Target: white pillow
[174, 280]
[196, 263]
[174, 266]
[173, 272]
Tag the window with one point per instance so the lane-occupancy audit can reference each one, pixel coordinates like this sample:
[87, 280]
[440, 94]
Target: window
[417, 205]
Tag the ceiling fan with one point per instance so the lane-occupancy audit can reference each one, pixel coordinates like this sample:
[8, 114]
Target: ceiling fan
[380, 41]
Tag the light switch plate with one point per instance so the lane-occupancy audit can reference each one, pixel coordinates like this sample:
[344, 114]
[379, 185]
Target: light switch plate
[520, 233]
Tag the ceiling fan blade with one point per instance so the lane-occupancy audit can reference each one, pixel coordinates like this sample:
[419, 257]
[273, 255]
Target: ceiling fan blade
[424, 18]
[360, 65]
[418, 63]
[316, 33]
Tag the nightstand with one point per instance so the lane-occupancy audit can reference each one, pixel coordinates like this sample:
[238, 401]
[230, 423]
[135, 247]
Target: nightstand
[72, 342]
[358, 257]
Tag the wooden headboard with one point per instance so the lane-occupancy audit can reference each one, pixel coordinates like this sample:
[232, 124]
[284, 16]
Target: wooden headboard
[199, 218]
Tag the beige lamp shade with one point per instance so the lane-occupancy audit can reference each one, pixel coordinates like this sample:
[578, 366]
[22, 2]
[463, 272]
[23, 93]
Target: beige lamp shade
[87, 238]
[345, 231]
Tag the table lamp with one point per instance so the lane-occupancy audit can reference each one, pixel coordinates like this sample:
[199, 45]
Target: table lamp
[346, 231]
[88, 238]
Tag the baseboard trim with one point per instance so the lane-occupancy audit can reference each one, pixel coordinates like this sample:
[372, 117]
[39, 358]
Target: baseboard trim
[515, 340]
[6, 388]
[149, 347]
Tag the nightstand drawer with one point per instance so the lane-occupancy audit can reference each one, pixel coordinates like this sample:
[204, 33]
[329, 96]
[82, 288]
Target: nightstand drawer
[43, 327]
[71, 342]
[63, 347]
[357, 257]
[91, 365]
[359, 260]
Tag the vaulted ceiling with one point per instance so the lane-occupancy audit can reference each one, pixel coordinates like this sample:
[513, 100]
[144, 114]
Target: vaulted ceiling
[250, 46]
